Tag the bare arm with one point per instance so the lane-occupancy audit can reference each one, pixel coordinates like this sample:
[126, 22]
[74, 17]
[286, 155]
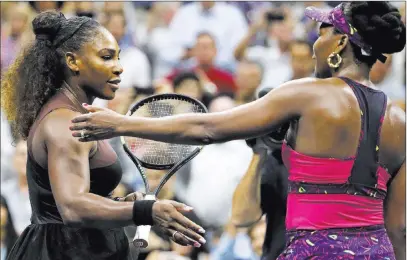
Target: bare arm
[68, 164]
[255, 119]
[240, 50]
[246, 198]
[395, 214]
[393, 140]
[291, 100]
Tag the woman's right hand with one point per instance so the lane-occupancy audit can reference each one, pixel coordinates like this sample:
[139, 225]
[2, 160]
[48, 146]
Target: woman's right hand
[100, 123]
[167, 215]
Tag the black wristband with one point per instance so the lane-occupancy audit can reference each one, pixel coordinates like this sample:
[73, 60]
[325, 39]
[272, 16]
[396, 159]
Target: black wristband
[143, 212]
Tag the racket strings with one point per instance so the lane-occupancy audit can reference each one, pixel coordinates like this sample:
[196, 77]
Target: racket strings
[160, 153]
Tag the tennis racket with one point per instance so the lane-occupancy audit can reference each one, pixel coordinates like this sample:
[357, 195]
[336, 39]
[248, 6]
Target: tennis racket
[159, 155]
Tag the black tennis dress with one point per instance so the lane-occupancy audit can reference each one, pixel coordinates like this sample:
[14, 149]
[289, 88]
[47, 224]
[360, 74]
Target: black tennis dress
[47, 238]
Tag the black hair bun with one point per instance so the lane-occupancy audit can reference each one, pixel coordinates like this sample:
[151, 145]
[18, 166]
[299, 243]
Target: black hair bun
[48, 23]
[380, 25]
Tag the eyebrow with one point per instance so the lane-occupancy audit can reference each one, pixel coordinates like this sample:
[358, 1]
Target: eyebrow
[112, 51]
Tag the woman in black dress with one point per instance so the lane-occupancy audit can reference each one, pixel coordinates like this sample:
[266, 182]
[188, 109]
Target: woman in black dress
[73, 61]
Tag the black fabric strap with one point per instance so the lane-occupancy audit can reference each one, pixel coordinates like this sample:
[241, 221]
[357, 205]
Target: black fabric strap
[66, 32]
[143, 212]
[373, 106]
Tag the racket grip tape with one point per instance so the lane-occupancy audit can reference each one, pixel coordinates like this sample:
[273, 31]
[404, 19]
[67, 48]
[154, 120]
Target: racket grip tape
[140, 240]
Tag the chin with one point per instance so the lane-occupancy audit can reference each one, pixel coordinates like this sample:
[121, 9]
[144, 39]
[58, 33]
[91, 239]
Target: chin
[110, 97]
[106, 96]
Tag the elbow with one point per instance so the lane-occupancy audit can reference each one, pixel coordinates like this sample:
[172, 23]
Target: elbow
[207, 140]
[73, 220]
[241, 221]
[201, 134]
[71, 217]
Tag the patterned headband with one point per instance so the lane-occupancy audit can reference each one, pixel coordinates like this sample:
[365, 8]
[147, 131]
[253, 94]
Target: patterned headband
[337, 18]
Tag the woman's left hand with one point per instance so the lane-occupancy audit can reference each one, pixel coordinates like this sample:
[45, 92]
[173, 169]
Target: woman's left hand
[98, 124]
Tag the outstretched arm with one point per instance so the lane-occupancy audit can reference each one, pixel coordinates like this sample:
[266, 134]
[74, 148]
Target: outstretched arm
[257, 118]
[68, 166]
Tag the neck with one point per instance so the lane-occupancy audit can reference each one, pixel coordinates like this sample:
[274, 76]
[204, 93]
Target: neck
[79, 93]
[351, 70]
[205, 67]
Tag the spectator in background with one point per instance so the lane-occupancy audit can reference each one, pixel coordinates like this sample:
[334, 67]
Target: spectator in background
[240, 243]
[85, 9]
[248, 78]
[302, 64]
[224, 21]
[15, 34]
[188, 84]
[157, 35]
[263, 190]
[41, 6]
[16, 191]
[274, 54]
[382, 76]
[135, 22]
[205, 52]
[8, 233]
[7, 152]
[220, 167]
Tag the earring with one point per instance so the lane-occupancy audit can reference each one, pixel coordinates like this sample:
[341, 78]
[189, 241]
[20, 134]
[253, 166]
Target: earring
[334, 56]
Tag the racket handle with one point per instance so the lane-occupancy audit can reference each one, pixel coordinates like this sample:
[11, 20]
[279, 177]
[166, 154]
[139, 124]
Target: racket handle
[140, 240]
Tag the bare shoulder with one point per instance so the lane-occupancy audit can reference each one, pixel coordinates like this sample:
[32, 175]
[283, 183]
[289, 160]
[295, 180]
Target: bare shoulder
[393, 137]
[305, 93]
[311, 86]
[55, 129]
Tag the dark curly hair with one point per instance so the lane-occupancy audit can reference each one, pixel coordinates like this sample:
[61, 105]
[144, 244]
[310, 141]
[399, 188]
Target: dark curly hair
[40, 69]
[380, 25]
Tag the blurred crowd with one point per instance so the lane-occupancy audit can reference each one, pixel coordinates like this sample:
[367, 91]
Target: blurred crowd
[222, 53]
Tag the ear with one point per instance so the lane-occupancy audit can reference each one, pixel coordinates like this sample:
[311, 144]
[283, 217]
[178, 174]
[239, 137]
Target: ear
[71, 60]
[342, 43]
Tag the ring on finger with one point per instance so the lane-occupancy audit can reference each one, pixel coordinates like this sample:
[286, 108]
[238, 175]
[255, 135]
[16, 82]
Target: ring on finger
[82, 134]
[173, 234]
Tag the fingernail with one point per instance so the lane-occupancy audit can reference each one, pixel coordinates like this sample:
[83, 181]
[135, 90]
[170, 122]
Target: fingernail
[202, 240]
[188, 208]
[84, 104]
[196, 244]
